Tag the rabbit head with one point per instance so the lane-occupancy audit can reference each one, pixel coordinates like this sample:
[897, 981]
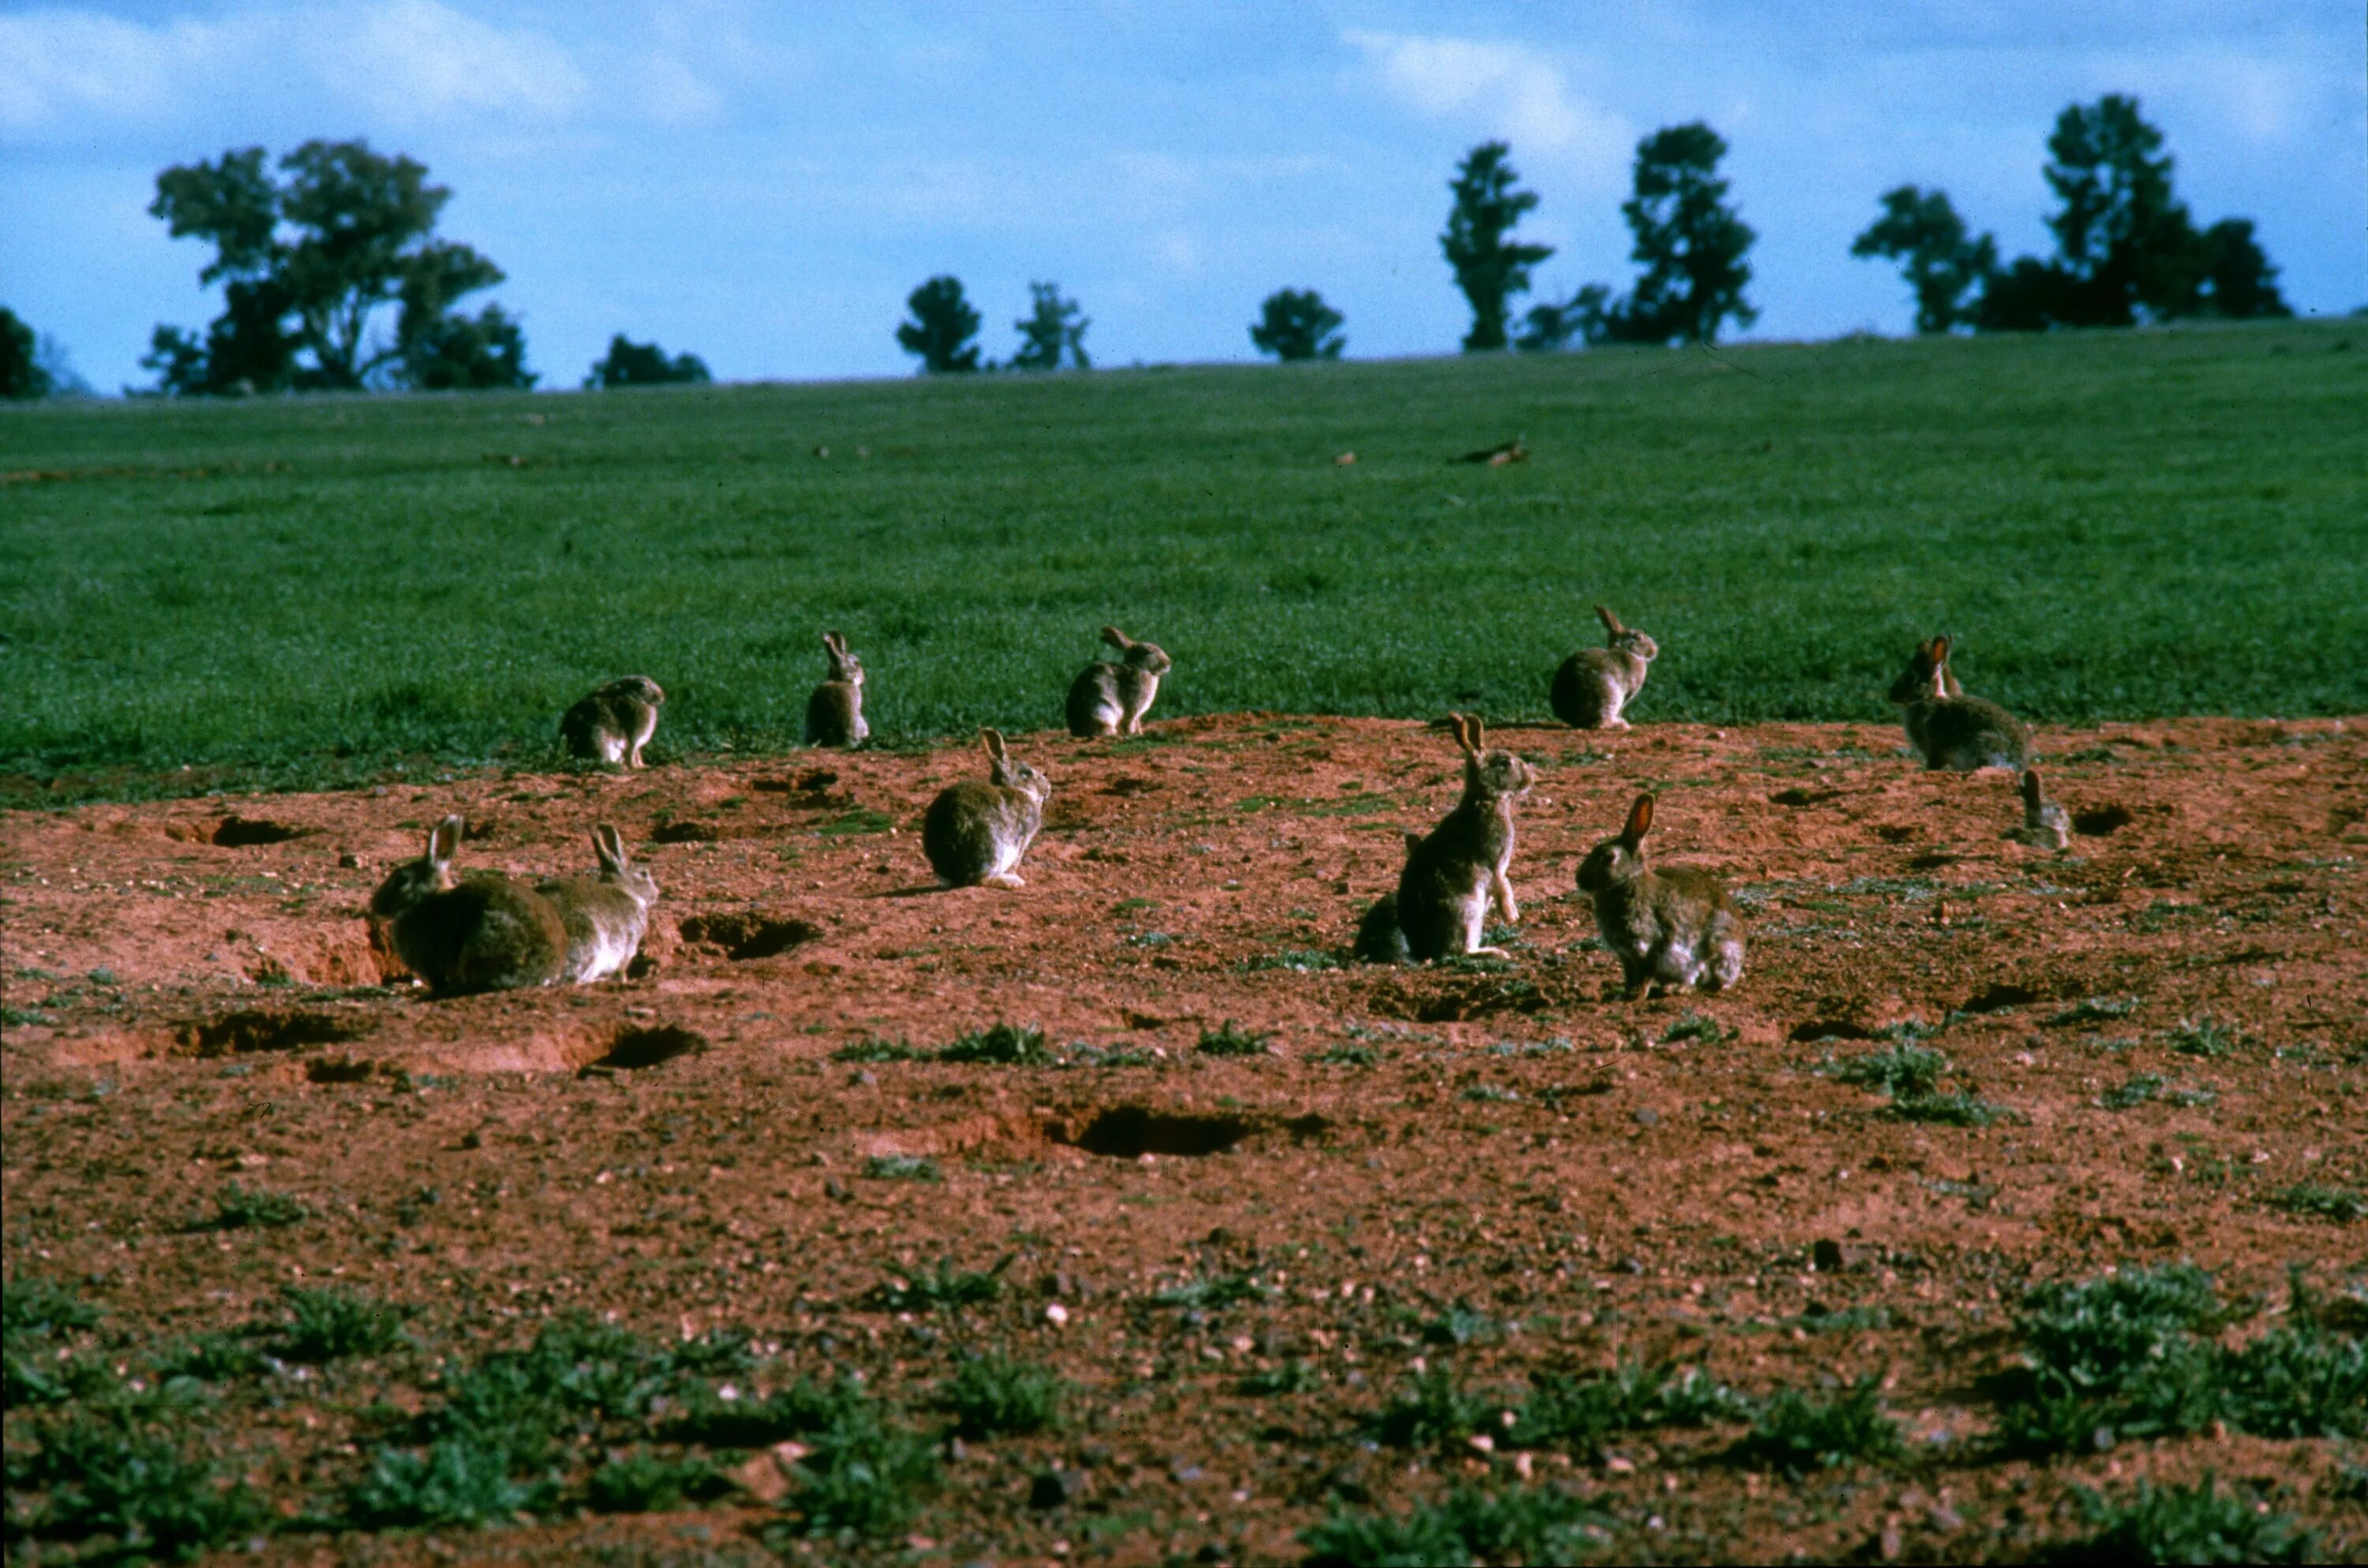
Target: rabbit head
[1620, 860]
[620, 869]
[1927, 675]
[1488, 775]
[1149, 657]
[1627, 639]
[1006, 774]
[844, 666]
[416, 882]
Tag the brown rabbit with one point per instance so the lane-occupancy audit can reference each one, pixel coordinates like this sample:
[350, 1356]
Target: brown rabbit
[976, 832]
[606, 916]
[1949, 730]
[1440, 907]
[835, 711]
[615, 722]
[2045, 823]
[485, 932]
[1595, 684]
[1111, 698]
[1674, 927]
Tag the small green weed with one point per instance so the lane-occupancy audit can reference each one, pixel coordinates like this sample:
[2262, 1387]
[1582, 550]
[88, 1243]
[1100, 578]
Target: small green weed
[2205, 1037]
[1298, 961]
[641, 1483]
[863, 1477]
[1899, 1068]
[2311, 1200]
[2143, 1087]
[32, 1305]
[1797, 1433]
[1435, 1410]
[240, 1207]
[1697, 1026]
[211, 1357]
[1349, 1056]
[1469, 1524]
[800, 1410]
[1228, 1040]
[1294, 1376]
[1214, 1292]
[901, 1167]
[873, 1048]
[331, 1324]
[459, 1480]
[1579, 1414]
[2181, 1525]
[1000, 1045]
[1490, 1093]
[141, 1489]
[1462, 1324]
[1958, 1109]
[2094, 1010]
[993, 1396]
[941, 1288]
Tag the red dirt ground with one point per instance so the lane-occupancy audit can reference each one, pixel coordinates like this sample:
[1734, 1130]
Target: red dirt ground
[194, 996]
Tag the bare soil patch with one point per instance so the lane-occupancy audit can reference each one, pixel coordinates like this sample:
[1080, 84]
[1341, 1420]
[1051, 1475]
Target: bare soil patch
[1493, 1168]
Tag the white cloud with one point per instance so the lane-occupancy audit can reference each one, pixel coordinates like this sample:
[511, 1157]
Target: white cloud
[1520, 94]
[420, 60]
[64, 67]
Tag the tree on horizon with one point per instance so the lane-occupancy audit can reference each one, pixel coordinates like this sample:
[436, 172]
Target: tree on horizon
[943, 325]
[1296, 323]
[1491, 266]
[1054, 329]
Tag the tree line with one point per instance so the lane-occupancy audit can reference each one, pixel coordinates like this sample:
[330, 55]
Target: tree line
[315, 252]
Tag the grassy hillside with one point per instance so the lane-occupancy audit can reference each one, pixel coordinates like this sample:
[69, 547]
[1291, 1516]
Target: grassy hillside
[2120, 524]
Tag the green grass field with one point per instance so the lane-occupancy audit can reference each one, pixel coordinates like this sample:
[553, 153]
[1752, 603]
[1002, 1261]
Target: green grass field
[2113, 525]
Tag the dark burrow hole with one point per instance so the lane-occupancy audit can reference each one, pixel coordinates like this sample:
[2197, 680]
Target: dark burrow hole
[2101, 822]
[234, 1034]
[238, 832]
[636, 1047]
[1830, 1029]
[1999, 998]
[749, 936]
[685, 832]
[1130, 1132]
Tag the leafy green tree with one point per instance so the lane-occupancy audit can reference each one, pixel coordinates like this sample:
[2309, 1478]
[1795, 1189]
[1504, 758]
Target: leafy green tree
[2237, 277]
[1296, 323]
[22, 374]
[1491, 266]
[1688, 241]
[941, 329]
[310, 260]
[1054, 329]
[1944, 264]
[1582, 318]
[631, 363]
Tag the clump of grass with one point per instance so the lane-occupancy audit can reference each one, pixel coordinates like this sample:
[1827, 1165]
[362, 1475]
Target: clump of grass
[2142, 1087]
[2205, 1037]
[331, 1324]
[33, 1307]
[1697, 1026]
[942, 1287]
[1580, 1413]
[1469, 1524]
[97, 1478]
[800, 1410]
[641, 1483]
[864, 1476]
[901, 1167]
[2311, 1200]
[2094, 1010]
[1298, 961]
[1213, 1291]
[2181, 1524]
[1902, 1068]
[993, 1396]
[240, 1207]
[1955, 1110]
[1797, 1433]
[210, 1358]
[873, 1049]
[1228, 1040]
[459, 1480]
[1294, 1376]
[1000, 1045]
[1349, 1056]
[1491, 1094]
[1436, 1410]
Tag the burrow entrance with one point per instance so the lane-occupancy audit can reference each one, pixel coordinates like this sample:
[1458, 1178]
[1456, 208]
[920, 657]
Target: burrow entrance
[250, 1029]
[749, 936]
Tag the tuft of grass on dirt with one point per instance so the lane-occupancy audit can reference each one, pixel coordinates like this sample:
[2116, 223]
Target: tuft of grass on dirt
[1902, 1068]
[901, 1167]
[1531, 1524]
[2142, 1088]
[150, 1493]
[993, 1396]
[1959, 1109]
[2205, 1037]
[332, 1325]
[238, 1208]
[1579, 1415]
[871, 1049]
[644, 1482]
[1799, 1434]
[2174, 1523]
[1435, 1410]
[2316, 1200]
[1230, 1040]
[940, 1288]
[1000, 1045]
[1297, 961]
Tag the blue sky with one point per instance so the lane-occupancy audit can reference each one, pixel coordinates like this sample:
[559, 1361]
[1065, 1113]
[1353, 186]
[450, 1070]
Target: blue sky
[763, 184]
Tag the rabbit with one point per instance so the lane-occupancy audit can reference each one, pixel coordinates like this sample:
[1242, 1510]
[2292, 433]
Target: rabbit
[615, 722]
[976, 833]
[605, 917]
[1453, 875]
[1111, 698]
[485, 932]
[1595, 684]
[1948, 728]
[835, 711]
[1675, 927]
[2045, 823]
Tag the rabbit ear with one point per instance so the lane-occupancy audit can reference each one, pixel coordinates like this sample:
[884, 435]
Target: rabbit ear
[1610, 621]
[1117, 638]
[609, 846]
[2031, 793]
[994, 739]
[1476, 731]
[1939, 650]
[830, 641]
[1456, 722]
[444, 840]
[1640, 819]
